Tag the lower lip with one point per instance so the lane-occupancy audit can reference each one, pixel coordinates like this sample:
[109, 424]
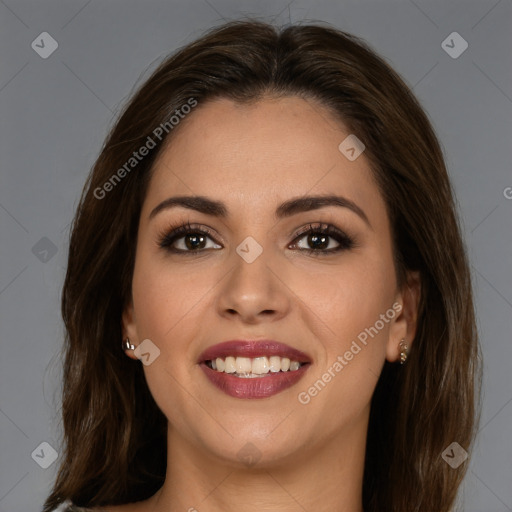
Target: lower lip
[258, 387]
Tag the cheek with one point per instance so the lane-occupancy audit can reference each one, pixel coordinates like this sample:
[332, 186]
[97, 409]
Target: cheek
[347, 305]
[344, 299]
[167, 300]
[168, 309]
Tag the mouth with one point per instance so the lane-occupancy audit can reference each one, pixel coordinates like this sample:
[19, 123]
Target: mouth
[253, 369]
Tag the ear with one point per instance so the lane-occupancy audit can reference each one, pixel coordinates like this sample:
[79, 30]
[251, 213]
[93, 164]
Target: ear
[405, 324]
[130, 328]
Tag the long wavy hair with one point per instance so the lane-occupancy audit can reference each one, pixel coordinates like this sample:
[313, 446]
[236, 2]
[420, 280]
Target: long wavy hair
[417, 410]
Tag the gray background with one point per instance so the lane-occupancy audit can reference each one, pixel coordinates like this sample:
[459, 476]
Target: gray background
[55, 113]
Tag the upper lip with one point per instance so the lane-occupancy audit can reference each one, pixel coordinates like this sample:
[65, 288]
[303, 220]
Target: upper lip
[253, 348]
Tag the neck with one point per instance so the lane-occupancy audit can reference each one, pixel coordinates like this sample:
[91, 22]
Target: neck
[326, 476]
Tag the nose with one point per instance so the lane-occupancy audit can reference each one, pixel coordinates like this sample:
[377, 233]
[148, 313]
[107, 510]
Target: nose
[254, 292]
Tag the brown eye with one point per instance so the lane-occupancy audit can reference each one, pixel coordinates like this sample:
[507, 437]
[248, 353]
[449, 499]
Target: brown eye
[187, 239]
[323, 239]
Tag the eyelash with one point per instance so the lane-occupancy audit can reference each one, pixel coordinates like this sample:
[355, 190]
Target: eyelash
[168, 237]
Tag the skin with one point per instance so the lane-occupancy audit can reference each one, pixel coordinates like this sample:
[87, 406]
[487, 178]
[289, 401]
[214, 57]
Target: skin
[253, 158]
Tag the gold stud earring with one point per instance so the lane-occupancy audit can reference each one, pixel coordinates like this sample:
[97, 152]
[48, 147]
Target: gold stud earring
[403, 351]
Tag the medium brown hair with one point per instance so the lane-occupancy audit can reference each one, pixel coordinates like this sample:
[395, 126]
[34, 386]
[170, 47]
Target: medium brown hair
[417, 410]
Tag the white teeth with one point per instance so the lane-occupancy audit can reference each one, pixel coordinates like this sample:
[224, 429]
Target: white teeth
[230, 366]
[260, 365]
[294, 365]
[275, 364]
[253, 367]
[243, 365]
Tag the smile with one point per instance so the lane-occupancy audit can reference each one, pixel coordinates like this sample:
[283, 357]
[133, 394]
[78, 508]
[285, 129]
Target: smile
[256, 367]
[253, 369]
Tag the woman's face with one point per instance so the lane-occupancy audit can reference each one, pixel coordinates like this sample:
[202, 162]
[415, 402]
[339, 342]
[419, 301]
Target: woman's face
[258, 275]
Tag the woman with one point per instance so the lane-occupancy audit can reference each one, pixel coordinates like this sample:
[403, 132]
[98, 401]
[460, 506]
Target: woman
[268, 303]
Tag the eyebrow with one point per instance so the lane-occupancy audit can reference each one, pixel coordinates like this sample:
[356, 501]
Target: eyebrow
[287, 209]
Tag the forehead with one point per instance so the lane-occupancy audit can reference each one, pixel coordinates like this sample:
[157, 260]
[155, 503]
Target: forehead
[259, 153]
